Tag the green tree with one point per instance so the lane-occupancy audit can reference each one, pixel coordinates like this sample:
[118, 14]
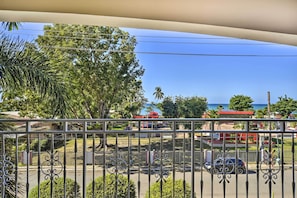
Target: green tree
[213, 113]
[158, 93]
[168, 108]
[260, 113]
[98, 65]
[189, 107]
[241, 103]
[284, 106]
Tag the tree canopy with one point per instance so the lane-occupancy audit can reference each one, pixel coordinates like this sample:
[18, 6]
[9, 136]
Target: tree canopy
[97, 66]
[180, 107]
[284, 106]
[241, 103]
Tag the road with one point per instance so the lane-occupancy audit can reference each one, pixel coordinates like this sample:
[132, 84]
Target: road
[212, 187]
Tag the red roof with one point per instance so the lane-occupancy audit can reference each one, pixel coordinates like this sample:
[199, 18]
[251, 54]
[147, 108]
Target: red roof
[235, 112]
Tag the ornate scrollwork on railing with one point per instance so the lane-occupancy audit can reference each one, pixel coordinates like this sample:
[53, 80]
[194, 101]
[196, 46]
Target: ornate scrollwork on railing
[7, 169]
[158, 165]
[51, 167]
[224, 166]
[270, 166]
[120, 164]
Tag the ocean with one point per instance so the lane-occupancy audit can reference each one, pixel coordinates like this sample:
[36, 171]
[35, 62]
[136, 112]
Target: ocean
[210, 107]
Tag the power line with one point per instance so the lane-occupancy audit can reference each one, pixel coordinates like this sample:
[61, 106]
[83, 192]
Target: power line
[176, 53]
[157, 42]
[97, 36]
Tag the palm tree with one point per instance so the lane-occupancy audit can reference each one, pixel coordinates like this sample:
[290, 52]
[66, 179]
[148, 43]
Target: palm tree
[158, 93]
[11, 25]
[19, 69]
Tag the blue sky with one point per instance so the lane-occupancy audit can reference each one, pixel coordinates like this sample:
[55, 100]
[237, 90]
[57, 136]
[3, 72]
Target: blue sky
[185, 64]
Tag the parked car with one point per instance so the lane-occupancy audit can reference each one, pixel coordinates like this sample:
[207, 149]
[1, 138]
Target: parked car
[226, 165]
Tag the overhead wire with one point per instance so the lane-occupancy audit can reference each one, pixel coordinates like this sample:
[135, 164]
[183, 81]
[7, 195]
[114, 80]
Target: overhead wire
[174, 53]
[97, 36]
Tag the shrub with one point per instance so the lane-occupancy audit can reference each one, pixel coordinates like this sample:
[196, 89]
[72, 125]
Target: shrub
[155, 190]
[58, 189]
[111, 182]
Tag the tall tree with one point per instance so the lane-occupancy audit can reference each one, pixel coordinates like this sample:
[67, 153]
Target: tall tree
[168, 108]
[241, 103]
[284, 106]
[158, 93]
[98, 65]
[189, 107]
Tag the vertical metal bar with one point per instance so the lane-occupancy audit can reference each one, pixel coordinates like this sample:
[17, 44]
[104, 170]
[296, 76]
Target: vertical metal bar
[258, 152]
[84, 159]
[28, 153]
[75, 164]
[236, 169]
[173, 160]
[139, 160]
[129, 162]
[224, 164]
[38, 165]
[161, 165]
[117, 165]
[104, 156]
[184, 163]
[201, 163]
[93, 164]
[270, 163]
[2, 177]
[247, 159]
[192, 159]
[293, 165]
[149, 162]
[65, 128]
[16, 164]
[52, 165]
[212, 156]
[282, 158]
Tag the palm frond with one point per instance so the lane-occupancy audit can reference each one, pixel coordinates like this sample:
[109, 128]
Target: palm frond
[11, 25]
[19, 69]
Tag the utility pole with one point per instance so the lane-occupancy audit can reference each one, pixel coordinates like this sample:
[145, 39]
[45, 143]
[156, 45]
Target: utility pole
[268, 104]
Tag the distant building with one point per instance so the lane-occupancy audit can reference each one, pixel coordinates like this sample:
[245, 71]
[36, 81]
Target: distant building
[152, 114]
[236, 114]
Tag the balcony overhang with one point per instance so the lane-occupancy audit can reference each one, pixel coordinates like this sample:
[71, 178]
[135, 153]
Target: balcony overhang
[265, 20]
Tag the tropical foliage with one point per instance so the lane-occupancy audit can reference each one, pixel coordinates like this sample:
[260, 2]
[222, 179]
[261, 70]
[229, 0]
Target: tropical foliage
[11, 25]
[284, 106]
[180, 107]
[21, 70]
[158, 93]
[241, 103]
[96, 65]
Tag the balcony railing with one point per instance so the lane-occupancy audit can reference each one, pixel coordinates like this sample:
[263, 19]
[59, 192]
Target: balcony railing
[148, 158]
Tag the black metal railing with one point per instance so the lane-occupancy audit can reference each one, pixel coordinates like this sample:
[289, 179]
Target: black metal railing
[148, 158]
